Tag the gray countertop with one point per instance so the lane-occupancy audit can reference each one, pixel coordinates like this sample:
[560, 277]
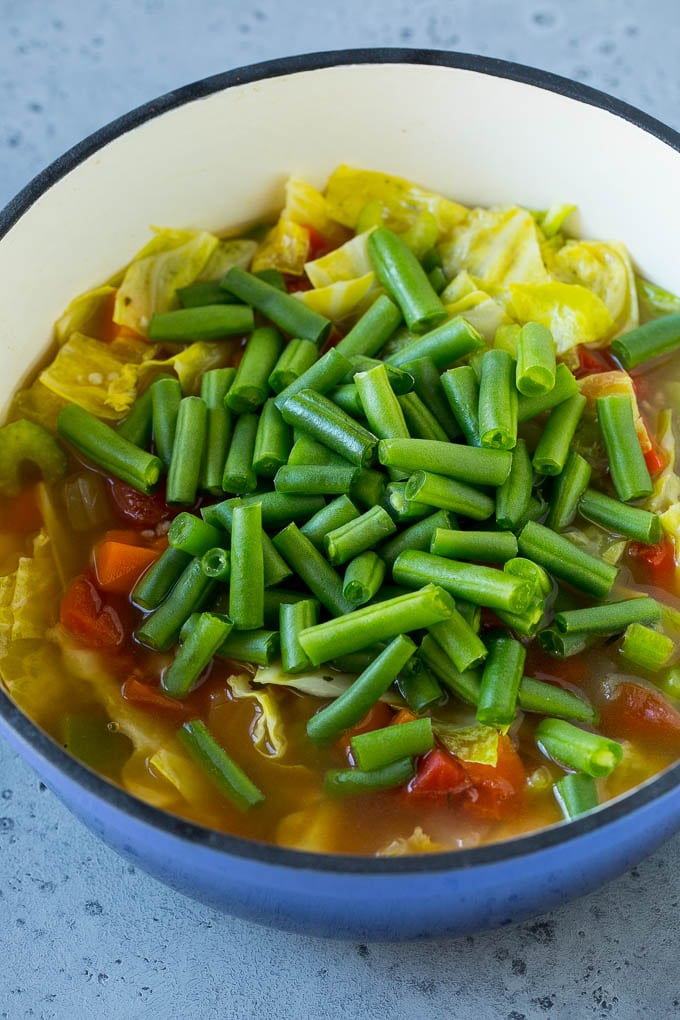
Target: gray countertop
[85, 935]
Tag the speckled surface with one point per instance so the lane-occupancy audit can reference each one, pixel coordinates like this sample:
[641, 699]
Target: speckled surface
[82, 933]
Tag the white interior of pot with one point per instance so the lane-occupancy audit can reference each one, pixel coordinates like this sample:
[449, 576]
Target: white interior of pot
[222, 160]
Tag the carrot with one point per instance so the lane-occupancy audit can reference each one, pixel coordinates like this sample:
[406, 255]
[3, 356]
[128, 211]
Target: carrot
[402, 716]
[119, 565]
[21, 513]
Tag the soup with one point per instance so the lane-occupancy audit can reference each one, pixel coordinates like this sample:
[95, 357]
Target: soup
[356, 532]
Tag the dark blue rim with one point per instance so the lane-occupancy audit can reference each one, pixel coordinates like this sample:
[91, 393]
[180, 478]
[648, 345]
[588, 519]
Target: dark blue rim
[30, 734]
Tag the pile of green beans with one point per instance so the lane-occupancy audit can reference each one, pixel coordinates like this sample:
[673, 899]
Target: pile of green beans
[363, 511]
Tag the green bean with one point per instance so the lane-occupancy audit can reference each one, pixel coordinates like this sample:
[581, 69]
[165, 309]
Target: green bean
[222, 770]
[553, 447]
[378, 748]
[294, 618]
[200, 644]
[250, 387]
[404, 279]
[578, 749]
[107, 449]
[282, 309]
[207, 322]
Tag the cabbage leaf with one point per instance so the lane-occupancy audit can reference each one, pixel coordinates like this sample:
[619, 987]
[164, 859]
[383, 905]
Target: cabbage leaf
[83, 312]
[615, 383]
[230, 252]
[605, 270]
[339, 300]
[268, 732]
[498, 247]
[349, 261]
[285, 247]
[476, 743]
[573, 314]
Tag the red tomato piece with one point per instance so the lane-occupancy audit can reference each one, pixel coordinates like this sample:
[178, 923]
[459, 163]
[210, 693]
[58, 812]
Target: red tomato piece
[639, 713]
[655, 459]
[654, 564]
[439, 774]
[150, 697]
[496, 792]
[88, 617]
[138, 509]
[592, 360]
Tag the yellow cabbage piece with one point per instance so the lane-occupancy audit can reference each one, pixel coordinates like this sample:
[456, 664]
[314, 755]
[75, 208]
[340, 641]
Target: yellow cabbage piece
[316, 684]
[417, 843]
[173, 765]
[497, 247]
[349, 190]
[574, 314]
[308, 207]
[228, 253]
[477, 743]
[349, 261]
[339, 300]
[285, 247]
[553, 219]
[482, 311]
[37, 403]
[654, 301]
[33, 674]
[606, 270]
[82, 311]
[30, 596]
[188, 364]
[316, 827]
[267, 733]
[172, 259]
[616, 383]
[665, 498]
[90, 373]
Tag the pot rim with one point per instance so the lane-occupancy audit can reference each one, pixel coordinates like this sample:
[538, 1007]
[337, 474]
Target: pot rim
[191, 833]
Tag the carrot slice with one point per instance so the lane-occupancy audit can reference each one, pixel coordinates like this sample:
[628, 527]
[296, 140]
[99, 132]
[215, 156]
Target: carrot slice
[119, 565]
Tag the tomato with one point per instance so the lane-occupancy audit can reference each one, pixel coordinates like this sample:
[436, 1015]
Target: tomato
[84, 612]
[635, 712]
[654, 564]
[21, 513]
[376, 718]
[439, 774]
[655, 459]
[496, 792]
[592, 360]
[138, 509]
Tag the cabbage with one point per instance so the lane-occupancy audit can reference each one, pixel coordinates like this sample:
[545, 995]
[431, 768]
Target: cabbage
[267, 733]
[308, 207]
[29, 597]
[82, 312]
[476, 743]
[349, 261]
[574, 314]
[497, 247]
[340, 300]
[606, 270]
[38, 404]
[417, 843]
[317, 684]
[482, 312]
[553, 219]
[232, 252]
[172, 259]
[349, 190]
[285, 247]
[188, 364]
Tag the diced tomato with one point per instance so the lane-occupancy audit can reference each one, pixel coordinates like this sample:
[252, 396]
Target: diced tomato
[138, 509]
[655, 459]
[496, 792]
[378, 716]
[21, 513]
[295, 284]
[639, 713]
[654, 564]
[439, 774]
[89, 617]
[150, 697]
[119, 565]
[318, 244]
[592, 360]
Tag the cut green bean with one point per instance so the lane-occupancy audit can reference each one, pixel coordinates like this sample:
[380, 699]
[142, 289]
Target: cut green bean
[460, 642]
[578, 749]
[380, 621]
[381, 407]
[378, 748]
[372, 331]
[160, 630]
[446, 344]
[461, 389]
[307, 451]
[207, 322]
[250, 387]
[327, 423]
[621, 519]
[195, 654]
[278, 509]
[480, 546]
[348, 400]
[465, 686]
[157, 582]
[536, 364]
[549, 699]
[312, 568]
[321, 377]
[282, 309]
[485, 586]
[276, 570]
[565, 387]
[203, 292]
[216, 563]
[448, 494]
[646, 647]
[214, 387]
[340, 511]
[273, 441]
[361, 533]
[296, 357]
[419, 689]
[402, 509]
[562, 646]
[405, 280]
[368, 488]
[418, 536]
[363, 577]
[470, 464]
[576, 794]
[568, 488]
[107, 449]
[427, 385]
[223, 772]
[553, 447]
[257, 647]
[565, 560]
[246, 583]
[352, 782]
[294, 618]
[274, 598]
[497, 407]
[500, 680]
[239, 475]
[609, 618]
[626, 461]
[660, 336]
[137, 427]
[192, 535]
[420, 421]
[353, 704]
[187, 451]
[401, 380]
[315, 480]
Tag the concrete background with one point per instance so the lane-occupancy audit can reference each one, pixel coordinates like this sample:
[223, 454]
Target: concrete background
[84, 935]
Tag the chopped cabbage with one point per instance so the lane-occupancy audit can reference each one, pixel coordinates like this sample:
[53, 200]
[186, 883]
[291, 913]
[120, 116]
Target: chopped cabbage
[37, 403]
[285, 247]
[30, 596]
[172, 259]
[482, 312]
[574, 314]
[339, 300]
[497, 247]
[316, 684]
[188, 364]
[83, 312]
[417, 843]
[553, 219]
[308, 207]
[476, 743]
[349, 190]
[268, 733]
[349, 261]
[654, 300]
[606, 270]
[232, 252]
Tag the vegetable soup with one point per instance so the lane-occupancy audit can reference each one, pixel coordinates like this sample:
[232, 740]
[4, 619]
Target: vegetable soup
[355, 533]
